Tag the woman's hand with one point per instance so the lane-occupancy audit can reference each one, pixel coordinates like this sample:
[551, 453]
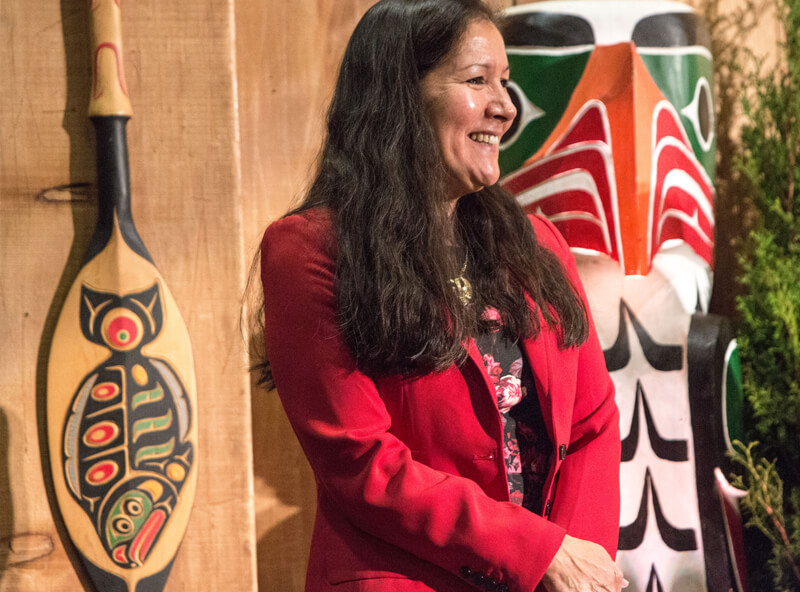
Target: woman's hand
[583, 566]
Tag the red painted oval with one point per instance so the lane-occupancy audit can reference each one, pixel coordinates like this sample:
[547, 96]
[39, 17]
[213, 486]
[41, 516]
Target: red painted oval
[102, 472]
[101, 433]
[105, 391]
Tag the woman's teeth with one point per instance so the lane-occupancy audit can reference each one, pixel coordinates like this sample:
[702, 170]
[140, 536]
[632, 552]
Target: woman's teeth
[484, 138]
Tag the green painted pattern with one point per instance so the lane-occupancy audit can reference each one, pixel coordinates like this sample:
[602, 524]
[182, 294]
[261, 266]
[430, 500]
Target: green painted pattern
[677, 75]
[548, 82]
[151, 424]
[152, 452]
[126, 517]
[144, 397]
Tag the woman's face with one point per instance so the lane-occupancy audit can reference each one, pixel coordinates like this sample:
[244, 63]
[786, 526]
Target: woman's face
[469, 107]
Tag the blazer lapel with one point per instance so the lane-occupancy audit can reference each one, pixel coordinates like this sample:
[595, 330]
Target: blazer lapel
[477, 359]
[537, 354]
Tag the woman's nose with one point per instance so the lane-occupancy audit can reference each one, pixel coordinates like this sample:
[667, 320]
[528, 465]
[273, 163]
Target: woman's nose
[501, 106]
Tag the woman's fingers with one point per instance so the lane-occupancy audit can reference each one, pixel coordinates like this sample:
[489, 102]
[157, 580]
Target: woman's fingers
[583, 566]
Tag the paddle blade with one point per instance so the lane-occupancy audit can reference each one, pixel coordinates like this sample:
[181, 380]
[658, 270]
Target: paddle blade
[122, 420]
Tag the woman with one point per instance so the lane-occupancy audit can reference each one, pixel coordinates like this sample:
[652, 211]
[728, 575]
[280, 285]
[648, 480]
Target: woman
[390, 295]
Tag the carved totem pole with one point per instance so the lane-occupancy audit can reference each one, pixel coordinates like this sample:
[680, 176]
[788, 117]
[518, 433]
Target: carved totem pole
[121, 404]
[614, 143]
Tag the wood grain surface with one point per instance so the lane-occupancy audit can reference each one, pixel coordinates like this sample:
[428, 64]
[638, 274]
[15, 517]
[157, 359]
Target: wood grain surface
[201, 209]
[288, 57]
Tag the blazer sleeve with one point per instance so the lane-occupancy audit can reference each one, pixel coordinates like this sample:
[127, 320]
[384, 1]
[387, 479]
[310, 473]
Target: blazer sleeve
[344, 429]
[587, 498]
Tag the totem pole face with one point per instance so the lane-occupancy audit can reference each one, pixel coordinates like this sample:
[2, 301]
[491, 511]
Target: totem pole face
[614, 140]
[614, 143]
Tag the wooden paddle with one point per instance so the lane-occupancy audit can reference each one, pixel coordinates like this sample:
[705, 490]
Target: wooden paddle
[121, 393]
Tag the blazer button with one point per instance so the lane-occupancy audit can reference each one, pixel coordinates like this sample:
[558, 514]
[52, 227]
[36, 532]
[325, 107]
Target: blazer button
[478, 579]
[547, 507]
[490, 585]
[465, 572]
[562, 451]
[502, 588]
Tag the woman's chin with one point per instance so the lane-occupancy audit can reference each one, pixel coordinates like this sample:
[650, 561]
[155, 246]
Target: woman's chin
[475, 183]
[486, 181]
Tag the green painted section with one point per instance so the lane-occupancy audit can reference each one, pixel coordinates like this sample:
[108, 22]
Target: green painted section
[151, 424]
[734, 396]
[548, 82]
[127, 516]
[151, 452]
[145, 397]
[677, 76]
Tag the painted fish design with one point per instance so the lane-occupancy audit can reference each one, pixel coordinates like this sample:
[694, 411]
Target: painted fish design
[126, 452]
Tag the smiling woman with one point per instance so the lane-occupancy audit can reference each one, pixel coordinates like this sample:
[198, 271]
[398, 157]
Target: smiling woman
[430, 343]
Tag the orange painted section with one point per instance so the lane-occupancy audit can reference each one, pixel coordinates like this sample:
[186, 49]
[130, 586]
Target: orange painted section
[630, 96]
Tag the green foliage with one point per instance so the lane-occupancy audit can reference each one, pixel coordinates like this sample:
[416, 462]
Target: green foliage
[764, 504]
[769, 306]
[769, 339]
[729, 23]
[770, 136]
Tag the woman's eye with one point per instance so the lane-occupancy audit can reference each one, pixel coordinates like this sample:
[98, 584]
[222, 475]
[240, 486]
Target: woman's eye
[476, 80]
[504, 82]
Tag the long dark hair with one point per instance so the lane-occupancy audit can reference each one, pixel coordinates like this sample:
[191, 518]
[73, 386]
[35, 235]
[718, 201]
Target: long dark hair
[382, 178]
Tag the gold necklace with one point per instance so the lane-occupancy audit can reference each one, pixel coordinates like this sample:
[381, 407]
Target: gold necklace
[461, 284]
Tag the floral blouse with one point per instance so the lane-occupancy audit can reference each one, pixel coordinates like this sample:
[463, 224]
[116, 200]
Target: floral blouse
[526, 445]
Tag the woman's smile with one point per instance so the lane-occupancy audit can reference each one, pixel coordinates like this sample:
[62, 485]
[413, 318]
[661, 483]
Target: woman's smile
[490, 139]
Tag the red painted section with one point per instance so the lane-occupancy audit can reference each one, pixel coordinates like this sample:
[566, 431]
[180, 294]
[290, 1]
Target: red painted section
[102, 472]
[96, 93]
[120, 554]
[617, 174]
[140, 547]
[122, 331]
[105, 391]
[101, 433]
[584, 215]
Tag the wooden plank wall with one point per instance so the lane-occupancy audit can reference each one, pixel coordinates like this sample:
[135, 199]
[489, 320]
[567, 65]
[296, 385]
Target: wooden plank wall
[288, 56]
[179, 61]
[224, 135]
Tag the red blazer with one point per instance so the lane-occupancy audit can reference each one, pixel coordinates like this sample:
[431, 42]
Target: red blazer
[412, 491]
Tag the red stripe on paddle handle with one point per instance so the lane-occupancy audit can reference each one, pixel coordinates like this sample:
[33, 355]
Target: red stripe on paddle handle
[109, 93]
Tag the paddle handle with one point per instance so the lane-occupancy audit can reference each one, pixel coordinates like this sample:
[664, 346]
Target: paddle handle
[109, 93]
[109, 110]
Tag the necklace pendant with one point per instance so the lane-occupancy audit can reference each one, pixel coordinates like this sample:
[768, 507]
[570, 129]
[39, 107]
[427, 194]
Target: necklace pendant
[463, 289]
